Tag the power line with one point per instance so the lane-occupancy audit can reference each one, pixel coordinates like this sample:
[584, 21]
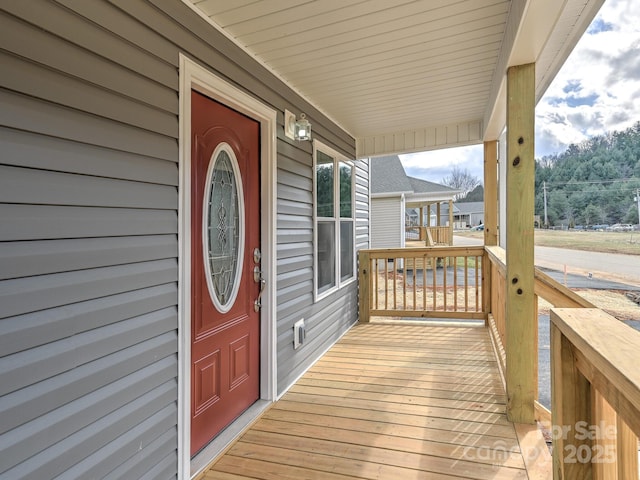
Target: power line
[586, 182]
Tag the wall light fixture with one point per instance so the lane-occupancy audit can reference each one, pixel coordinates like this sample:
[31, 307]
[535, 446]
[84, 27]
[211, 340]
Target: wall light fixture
[297, 129]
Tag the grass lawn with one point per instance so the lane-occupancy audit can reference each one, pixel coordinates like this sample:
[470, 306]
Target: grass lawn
[613, 302]
[610, 242]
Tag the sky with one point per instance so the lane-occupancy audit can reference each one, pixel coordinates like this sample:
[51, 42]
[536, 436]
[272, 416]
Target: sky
[596, 91]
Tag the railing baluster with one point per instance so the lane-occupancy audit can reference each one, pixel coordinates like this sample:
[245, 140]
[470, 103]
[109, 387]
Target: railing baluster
[415, 296]
[477, 272]
[424, 282]
[395, 285]
[434, 267]
[386, 284]
[466, 286]
[444, 282]
[377, 273]
[404, 282]
[455, 282]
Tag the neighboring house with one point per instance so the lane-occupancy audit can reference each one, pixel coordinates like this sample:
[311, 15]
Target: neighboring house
[399, 201]
[163, 236]
[389, 187]
[465, 214]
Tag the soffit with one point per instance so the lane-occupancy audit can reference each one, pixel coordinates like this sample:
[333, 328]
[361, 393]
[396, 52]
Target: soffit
[404, 75]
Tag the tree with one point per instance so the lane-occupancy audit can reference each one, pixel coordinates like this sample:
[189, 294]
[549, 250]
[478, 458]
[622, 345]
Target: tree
[591, 214]
[475, 195]
[461, 179]
[603, 171]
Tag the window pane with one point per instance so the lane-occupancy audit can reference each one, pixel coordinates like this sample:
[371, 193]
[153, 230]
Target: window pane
[346, 249]
[324, 185]
[326, 256]
[346, 195]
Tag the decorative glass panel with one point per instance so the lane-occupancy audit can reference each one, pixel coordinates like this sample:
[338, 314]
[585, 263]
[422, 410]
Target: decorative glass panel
[223, 231]
[324, 185]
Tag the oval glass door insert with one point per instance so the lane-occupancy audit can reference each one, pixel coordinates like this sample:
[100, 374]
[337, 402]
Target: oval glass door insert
[223, 228]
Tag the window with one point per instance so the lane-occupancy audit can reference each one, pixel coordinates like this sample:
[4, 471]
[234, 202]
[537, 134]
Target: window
[334, 220]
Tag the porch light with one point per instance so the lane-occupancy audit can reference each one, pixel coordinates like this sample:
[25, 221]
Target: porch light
[302, 128]
[297, 129]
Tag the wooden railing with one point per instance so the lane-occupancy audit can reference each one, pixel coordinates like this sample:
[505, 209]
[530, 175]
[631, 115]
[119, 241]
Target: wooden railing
[432, 236]
[595, 418]
[439, 236]
[595, 395]
[441, 282]
[546, 288]
[413, 233]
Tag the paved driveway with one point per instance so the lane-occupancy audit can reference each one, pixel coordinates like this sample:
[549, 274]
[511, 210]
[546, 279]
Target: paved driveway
[611, 266]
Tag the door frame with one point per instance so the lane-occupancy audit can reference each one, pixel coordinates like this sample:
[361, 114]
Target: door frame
[195, 77]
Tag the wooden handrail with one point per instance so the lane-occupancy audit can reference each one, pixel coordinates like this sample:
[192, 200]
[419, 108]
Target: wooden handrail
[545, 287]
[596, 383]
[593, 358]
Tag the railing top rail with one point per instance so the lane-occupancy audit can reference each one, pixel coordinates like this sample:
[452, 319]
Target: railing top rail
[607, 353]
[435, 251]
[557, 294]
[545, 286]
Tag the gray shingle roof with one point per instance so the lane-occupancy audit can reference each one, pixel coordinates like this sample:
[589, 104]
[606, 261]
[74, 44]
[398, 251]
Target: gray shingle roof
[470, 207]
[424, 186]
[388, 175]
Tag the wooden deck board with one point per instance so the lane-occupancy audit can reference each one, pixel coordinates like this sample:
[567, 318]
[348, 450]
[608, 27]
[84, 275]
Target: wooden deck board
[387, 402]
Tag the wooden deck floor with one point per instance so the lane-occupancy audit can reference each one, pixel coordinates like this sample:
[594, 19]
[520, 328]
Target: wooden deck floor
[387, 402]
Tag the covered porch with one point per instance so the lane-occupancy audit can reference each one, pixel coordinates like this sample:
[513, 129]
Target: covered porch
[409, 400]
[398, 86]
[429, 228]
[422, 386]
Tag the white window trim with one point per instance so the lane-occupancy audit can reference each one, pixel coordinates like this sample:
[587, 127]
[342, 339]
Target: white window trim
[337, 159]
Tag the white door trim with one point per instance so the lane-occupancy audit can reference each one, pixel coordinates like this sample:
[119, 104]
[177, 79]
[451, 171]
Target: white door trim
[195, 77]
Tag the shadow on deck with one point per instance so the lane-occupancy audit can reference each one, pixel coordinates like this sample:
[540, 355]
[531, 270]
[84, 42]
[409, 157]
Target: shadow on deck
[392, 401]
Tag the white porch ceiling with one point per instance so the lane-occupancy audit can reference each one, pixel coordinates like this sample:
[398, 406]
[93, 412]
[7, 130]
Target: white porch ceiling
[406, 75]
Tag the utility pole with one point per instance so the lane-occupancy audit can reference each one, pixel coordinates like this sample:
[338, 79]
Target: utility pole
[544, 192]
[637, 199]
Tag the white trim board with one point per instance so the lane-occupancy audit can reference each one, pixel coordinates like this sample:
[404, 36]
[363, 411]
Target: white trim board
[196, 77]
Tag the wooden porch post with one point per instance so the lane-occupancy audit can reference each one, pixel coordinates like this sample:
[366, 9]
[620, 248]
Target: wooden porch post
[521, 322]
[491, 192]
[364, 291]
[428, 215]
[450, 222]
[438, 223]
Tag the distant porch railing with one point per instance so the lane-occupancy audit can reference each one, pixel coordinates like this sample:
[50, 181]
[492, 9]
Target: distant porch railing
[439, 236]
[432, 236]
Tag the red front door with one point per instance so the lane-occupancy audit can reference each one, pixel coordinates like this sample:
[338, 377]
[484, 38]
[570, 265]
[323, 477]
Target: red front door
[225, 231]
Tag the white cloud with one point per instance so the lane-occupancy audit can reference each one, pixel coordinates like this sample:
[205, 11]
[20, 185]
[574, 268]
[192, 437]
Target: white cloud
[596, 91]
[598, 88]
[437, 164]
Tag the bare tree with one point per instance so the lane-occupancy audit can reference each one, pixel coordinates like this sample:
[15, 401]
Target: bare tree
[461, 179]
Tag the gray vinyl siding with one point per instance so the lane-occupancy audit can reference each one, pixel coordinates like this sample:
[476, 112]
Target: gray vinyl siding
[89, 232]
[386, 222]
[327, 319]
